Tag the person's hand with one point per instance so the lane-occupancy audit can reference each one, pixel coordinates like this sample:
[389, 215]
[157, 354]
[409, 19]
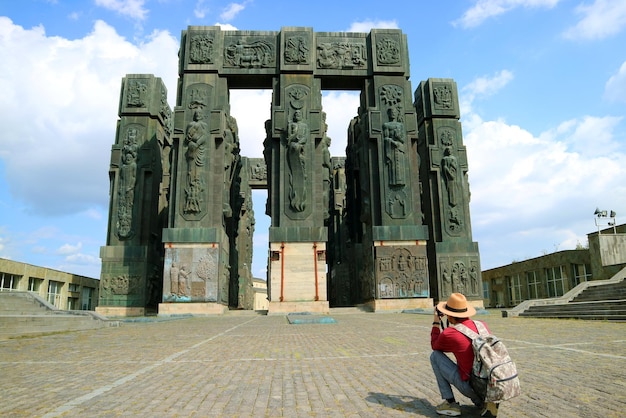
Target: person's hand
[436, 317]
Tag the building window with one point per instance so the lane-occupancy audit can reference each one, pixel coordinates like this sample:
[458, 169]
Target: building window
[34, 284]
[8, 281]
[554, 281]
[533, 285]
[582, 273]
[54, 293]
[72, 287]
[485, 289]
[515, 289]
[72, 304]
[87, 297]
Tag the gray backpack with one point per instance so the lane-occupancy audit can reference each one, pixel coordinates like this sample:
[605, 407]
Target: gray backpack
[494, 374]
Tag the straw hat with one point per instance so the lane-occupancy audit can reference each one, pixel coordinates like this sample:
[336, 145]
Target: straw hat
[456, 306]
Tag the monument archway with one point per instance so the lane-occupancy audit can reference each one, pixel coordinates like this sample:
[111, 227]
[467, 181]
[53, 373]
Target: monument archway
[387, 225]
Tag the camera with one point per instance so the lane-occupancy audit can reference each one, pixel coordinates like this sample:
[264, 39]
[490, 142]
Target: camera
[439, 313]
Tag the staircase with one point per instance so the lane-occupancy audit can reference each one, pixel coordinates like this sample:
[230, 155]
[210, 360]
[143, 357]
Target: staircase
[599, 300]
[26, 314]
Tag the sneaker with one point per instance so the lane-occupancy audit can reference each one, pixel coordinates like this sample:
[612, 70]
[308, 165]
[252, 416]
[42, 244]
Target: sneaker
[490, 410]
[451, 409]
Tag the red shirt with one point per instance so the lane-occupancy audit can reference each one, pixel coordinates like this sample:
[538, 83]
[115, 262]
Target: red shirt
[452, 341]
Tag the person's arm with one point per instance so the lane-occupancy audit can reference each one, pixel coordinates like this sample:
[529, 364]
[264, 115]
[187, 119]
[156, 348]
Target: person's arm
[435, 330]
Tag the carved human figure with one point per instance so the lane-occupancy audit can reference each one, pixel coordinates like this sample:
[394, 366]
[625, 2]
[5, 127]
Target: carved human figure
[183, 275]
[297, 138]
[174, 270]
[447, 281]
[231, 151]
[450, 172]
[395, 147]
[127, 181]
[474, 279]
[195, 141]
[326, 172]
[128, 172]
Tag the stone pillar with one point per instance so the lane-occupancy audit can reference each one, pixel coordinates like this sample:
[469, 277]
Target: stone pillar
[394, 231]
[297, 203]
[456, 266]
[139, 170]
[387, 236]
[242, 226]
[205, 159]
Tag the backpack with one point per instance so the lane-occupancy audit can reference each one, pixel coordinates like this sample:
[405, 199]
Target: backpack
[494, 374]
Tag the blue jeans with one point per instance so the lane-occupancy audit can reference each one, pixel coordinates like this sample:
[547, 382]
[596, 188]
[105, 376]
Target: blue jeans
[448, 375]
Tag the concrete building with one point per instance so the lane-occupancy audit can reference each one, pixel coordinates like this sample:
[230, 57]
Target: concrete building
[261, 303]
[64, 290]
[553, 275]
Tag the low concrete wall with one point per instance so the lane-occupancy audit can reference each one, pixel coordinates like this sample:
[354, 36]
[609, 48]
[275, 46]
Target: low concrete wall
[193, 308]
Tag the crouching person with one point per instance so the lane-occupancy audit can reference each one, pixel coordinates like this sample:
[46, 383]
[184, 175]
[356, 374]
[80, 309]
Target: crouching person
[447, 372]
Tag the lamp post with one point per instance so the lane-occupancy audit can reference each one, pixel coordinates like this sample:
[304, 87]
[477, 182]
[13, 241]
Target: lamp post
[603, 217]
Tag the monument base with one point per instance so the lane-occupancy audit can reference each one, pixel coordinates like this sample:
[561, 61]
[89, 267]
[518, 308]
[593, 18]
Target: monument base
[399, 305]
[297, 272]
[281, 308]
[120, 311]
[198, 308]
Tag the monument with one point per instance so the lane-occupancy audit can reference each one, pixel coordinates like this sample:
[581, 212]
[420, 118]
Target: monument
[387, 225]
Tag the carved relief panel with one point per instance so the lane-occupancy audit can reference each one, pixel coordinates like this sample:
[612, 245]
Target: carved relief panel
[298, 149]
[297, 50]
[459, 275]
[401, 272]
[132, 139]
[194, 152]
[450, 159]
[249, 52]
[121, 285]
[388, 49]
[396, 151]
[191, 274]
[341, 53]
[437, 97]
[202, 48]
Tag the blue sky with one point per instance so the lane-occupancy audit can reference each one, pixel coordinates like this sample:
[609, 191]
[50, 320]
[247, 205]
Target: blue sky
[542, 85]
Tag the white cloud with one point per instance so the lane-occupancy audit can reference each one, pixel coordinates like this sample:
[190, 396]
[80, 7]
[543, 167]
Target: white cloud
[226, 26]
[486, 9]
[340, 108]
[615, 88]
[59, 107]
[3, 242]
[232, 10]
[484, 87]
[131, 8]
[599, 20]
[82, 259]
[251, 108]
[201, 9]
[524, 187]
[589, 136]
[67, 249]
[368, 25]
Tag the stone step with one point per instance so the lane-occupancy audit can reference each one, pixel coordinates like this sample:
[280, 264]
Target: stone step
[13, 302]
[612, 291]
[580, 306]
[12, 326]
[601, 295]
[578, 315]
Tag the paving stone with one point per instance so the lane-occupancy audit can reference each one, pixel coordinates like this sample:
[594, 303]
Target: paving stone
[364, 365]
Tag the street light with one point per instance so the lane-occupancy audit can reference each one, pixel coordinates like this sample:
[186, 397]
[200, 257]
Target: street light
[603, 217]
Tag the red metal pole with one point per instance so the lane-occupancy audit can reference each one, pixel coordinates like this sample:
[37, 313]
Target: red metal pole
[282, 270]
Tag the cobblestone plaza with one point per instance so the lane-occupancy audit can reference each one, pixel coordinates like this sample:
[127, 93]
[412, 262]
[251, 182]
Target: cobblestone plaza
[247, 365]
